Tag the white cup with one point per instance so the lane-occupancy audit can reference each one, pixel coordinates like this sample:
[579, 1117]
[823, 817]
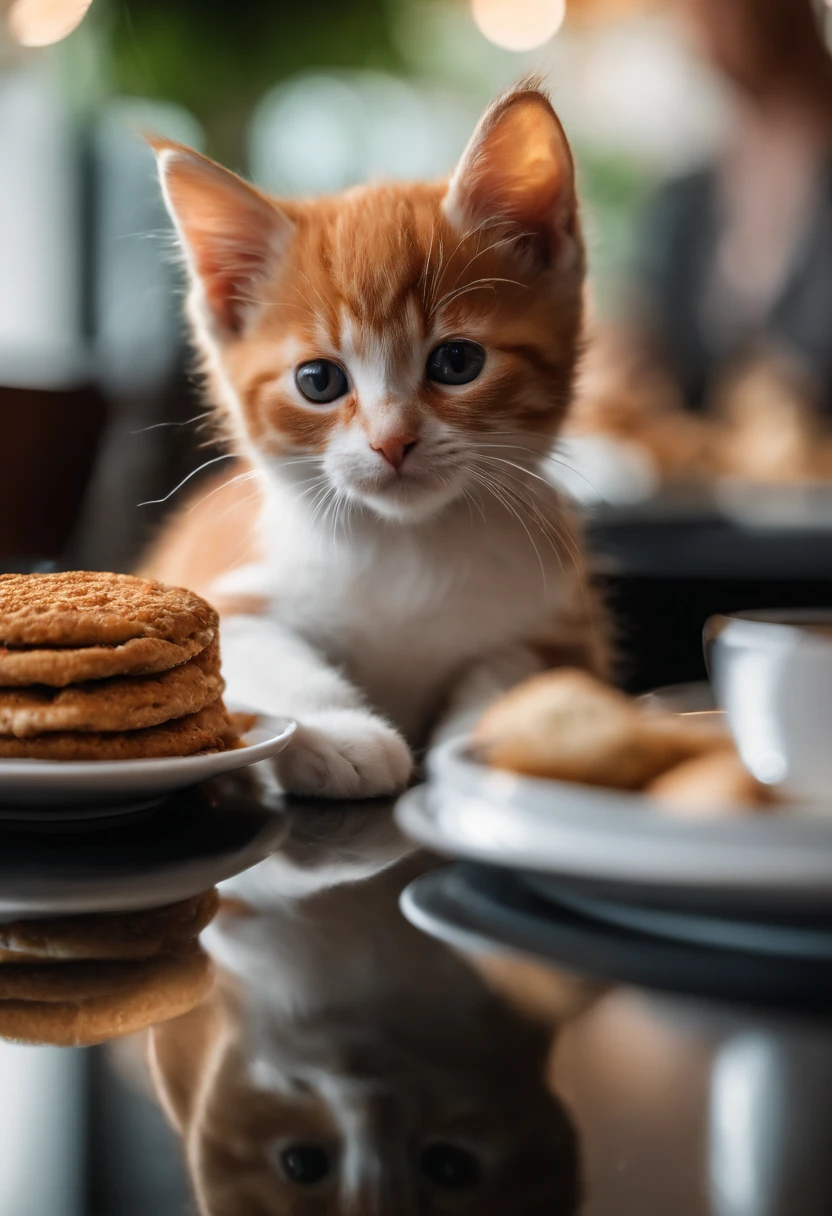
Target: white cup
[772, 674]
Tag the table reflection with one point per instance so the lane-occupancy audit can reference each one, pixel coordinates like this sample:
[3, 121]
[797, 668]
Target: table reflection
[345, 1062]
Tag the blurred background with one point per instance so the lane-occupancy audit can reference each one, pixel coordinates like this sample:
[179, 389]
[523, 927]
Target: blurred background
[700, 447]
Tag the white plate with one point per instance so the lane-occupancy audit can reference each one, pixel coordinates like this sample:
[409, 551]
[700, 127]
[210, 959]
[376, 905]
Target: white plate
[99, 783]
[614, 839]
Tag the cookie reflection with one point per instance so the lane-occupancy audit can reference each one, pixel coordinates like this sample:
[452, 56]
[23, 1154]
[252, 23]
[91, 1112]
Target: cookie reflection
[75, 981]
[345, 1063]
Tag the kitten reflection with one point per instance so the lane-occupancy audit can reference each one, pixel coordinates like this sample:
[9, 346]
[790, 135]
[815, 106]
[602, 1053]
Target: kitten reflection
[348, 1064]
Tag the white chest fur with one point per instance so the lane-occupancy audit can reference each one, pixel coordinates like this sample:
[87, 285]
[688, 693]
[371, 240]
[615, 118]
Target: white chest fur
[402, 609]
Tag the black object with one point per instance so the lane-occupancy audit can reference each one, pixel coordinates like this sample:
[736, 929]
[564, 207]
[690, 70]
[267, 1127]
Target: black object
[483, 902]
[662, 579]
[70, 866]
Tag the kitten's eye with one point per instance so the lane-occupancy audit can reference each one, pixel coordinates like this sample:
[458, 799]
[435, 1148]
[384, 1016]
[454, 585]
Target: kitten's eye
[450, 1167]
[456, 362]
[321, 381]
[305, 1164]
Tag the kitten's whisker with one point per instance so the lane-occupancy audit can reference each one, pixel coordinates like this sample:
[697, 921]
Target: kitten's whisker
[152, 502]
[489, 281]
[321, 318]
[501, 495]
[246, 475]
[506, 240]
[436, 278]
[475, 229]
[549, 526]
[155, 426]
[427, 266]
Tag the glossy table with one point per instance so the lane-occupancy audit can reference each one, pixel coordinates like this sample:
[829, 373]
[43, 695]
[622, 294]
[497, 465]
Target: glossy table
[345, 1052]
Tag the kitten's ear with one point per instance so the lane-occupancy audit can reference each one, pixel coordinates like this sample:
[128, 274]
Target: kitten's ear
[232, 235]
[518, 169]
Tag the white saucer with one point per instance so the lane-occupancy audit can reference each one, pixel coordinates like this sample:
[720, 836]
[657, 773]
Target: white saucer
[112, 783]
[619, 843]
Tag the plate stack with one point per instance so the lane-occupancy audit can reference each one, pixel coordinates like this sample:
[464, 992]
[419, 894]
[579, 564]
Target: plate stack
[602, 882]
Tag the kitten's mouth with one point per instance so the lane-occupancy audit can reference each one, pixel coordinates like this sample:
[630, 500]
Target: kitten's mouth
[409, 494]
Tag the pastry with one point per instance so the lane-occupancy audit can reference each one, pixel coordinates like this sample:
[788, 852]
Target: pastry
[569, 726]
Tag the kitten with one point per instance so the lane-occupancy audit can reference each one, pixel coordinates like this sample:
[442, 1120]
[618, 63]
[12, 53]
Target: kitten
[392, 365]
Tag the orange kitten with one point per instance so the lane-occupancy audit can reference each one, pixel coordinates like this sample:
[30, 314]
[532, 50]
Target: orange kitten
[393, 364]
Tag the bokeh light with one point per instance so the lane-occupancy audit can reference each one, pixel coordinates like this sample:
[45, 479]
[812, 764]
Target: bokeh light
[42, 22]
[519, 25]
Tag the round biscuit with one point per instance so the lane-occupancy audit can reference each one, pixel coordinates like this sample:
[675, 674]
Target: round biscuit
[122, 935]
[84, 608]
[203, 731]
[121, 703]
[80, 1004]
[58, 666]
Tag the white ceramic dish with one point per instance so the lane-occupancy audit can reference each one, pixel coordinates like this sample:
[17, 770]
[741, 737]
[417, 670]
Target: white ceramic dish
[110, 784]
[619, 840]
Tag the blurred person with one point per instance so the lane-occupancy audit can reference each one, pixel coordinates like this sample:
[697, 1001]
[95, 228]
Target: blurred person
[736, 258]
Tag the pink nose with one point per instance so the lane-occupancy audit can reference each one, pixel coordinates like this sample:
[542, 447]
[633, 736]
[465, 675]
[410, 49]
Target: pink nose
[395, 449]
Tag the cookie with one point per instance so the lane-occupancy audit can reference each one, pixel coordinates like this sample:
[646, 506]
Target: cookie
[204, 731]
[79, 1004]
[568, 726]
[711, 786]
[124, 935]
[61, 665]
[81, 608]
[121, 703]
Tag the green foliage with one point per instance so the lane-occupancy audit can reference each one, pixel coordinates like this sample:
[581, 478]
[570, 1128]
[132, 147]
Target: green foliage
[218, 57]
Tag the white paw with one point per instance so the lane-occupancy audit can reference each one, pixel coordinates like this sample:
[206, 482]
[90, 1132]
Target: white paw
[345, 753]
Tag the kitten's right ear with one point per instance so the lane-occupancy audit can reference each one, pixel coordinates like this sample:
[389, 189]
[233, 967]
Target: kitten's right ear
[517, 170]
[232, 235]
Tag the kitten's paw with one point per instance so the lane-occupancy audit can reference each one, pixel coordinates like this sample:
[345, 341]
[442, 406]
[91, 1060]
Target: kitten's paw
[345, 753]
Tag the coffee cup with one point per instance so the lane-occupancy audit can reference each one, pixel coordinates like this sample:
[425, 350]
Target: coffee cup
[772, 675]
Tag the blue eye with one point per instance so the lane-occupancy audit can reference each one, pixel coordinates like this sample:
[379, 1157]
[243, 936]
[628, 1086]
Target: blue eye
[305, 1164]
[456, 362]
[321, 381]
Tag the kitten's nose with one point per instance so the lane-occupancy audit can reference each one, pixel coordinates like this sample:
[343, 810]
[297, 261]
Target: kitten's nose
[395, 449]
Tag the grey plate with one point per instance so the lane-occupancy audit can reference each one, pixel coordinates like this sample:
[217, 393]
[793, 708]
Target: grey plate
[482, 910]
[786, 936]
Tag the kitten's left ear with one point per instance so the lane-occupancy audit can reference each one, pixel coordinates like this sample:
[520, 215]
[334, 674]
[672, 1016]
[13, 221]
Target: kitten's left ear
[518, 169]
[232, 234]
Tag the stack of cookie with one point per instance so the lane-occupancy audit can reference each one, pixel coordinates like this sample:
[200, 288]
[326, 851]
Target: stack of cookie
[107, 667]
[75, 981]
